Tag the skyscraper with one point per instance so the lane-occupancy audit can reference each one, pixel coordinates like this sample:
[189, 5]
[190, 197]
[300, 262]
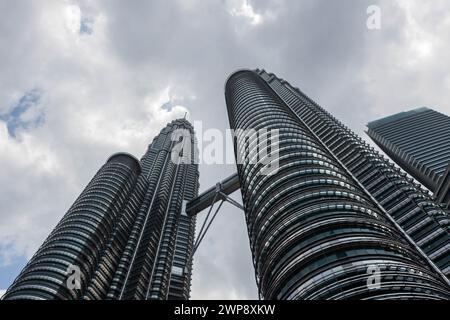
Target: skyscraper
[419, 142]
[333, 211]
[126, 236]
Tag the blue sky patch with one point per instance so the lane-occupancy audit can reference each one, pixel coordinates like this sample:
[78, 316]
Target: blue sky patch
[167, 106]
[14, 118]
[9, 272]
[86, 26]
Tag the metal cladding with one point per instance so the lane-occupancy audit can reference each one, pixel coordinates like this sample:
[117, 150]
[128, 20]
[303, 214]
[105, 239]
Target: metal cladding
[127, 232]
[419, 142]
[325, 218]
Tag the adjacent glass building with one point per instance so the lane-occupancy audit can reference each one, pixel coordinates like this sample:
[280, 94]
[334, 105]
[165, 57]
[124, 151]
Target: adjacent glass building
[419, 142]
[127, 232]
[333, 210]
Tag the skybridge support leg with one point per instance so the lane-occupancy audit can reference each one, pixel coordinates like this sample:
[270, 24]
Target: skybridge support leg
[221, 193]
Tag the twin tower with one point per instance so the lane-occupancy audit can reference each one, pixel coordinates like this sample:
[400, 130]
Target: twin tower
[333, 220]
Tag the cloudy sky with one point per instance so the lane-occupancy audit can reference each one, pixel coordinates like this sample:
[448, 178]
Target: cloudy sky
[80, 80]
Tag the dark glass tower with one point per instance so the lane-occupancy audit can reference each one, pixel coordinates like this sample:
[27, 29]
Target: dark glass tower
[127, 232]
[334, 209]
[419, 142]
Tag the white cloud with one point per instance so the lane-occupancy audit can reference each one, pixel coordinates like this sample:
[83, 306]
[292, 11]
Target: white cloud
[422, 42]
[242, 8]
[73, 18]
[410, 61]
[2, 292]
